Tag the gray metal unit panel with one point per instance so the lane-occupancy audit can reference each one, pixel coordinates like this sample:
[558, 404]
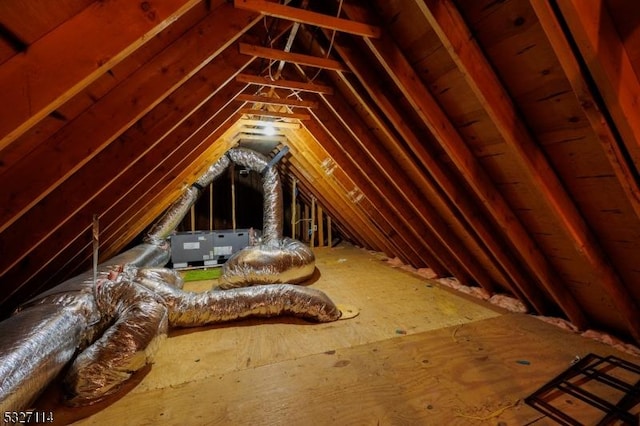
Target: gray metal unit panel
[191, 246]
[202, 246]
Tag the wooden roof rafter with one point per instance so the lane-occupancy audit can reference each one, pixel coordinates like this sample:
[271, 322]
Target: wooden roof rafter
[405, 77]
[376, 90]
[520, 284]
[47, 85]
[625, 172]
[609, 65]
[450, 27]
[139, 92]
[442, 242]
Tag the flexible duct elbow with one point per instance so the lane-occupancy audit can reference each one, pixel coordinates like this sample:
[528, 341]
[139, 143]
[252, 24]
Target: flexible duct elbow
[289, 262]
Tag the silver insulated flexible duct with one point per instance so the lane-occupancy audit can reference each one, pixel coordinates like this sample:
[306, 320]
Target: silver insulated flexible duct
[274, 260]
[114, 323]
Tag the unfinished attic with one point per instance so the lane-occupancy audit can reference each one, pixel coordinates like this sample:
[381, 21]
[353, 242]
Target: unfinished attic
[320, 212]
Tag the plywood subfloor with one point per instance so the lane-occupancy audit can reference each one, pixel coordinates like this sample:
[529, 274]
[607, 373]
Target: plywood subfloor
[416, 354]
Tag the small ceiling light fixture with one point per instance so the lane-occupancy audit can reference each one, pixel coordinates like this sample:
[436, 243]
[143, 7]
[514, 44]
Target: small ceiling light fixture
[269, 130]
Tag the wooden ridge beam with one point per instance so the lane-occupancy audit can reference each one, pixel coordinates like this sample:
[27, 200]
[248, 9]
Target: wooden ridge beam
[519, 283]
[59, 65]
[605, 54]
[308, 17]
[272, 100]
[444, 18]
[409, 83]
[284, 84]
[275, 114]
[294, 58]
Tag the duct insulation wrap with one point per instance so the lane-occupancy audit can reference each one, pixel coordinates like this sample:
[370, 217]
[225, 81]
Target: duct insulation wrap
[43, 334]
[289, 262]
[190, 309]
[35, 347]
[178, 210]
[137, 321]
[272, 190]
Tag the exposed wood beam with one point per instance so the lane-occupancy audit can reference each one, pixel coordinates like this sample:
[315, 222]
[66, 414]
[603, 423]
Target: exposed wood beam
[588, 102]
[208, 150]
[444, 18]
[346, 150]
[276, 114]
[257, 132]
[259, 138]
[285, 84]
[623, 170]
[89, 133]
[409, 83]
[126, 195]
[309, 17]
[331, 192]
[520, 284]
[604, 53]
[367, 221]
[421, 219]
[276, 124]
[271, 100]
[59, 65]
[295, 58]
[91, 189]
